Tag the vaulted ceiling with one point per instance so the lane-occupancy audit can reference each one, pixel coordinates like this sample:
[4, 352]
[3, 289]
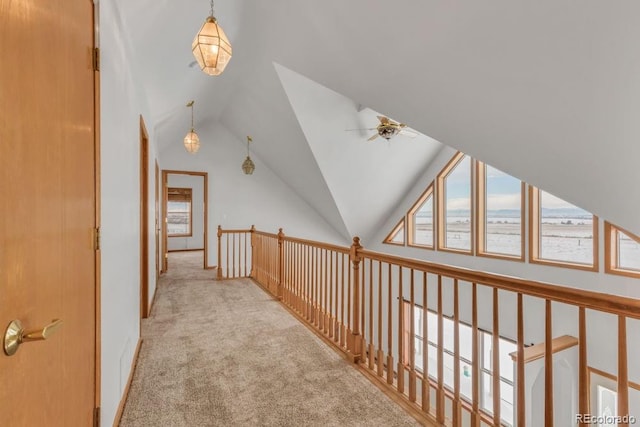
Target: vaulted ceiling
[548, 91]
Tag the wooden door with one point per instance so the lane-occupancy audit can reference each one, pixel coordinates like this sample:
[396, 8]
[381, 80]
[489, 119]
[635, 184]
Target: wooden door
[48, 210]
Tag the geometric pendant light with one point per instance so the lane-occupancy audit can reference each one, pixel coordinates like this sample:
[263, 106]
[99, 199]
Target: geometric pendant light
[191, 141]
[211, 47]
[247, 166]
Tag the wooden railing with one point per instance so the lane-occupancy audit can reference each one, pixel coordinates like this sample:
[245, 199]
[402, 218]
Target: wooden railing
[361, 301]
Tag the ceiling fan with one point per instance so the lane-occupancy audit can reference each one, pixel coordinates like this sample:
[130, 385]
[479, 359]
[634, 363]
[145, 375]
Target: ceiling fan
[387, 129]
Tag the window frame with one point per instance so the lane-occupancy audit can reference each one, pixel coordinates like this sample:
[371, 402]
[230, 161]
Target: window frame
[429, 192]
[534, 237]
[189, 192]
[486, 414]
[611, 250]
[388, 240]
[441, 205]
[481, 216]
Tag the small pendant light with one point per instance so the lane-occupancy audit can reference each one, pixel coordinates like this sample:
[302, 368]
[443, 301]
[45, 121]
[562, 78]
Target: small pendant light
[247, 166]
[191, 141]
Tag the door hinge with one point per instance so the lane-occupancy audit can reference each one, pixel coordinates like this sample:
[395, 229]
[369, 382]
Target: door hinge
[96, 59]
[96, 417]
[96, 241]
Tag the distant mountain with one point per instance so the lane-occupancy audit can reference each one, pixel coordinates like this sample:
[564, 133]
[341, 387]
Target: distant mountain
[566, 213]
[575, 213]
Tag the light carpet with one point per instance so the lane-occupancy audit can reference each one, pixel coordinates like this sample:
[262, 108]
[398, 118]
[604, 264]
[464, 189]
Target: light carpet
[227, 354]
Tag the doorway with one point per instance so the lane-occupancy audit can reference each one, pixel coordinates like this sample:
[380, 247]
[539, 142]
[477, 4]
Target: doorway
[185, 214]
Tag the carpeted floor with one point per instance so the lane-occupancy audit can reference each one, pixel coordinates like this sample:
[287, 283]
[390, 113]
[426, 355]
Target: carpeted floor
[227, 354]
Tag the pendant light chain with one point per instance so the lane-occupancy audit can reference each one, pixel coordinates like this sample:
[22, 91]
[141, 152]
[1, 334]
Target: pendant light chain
[192, 116]
[211, 8]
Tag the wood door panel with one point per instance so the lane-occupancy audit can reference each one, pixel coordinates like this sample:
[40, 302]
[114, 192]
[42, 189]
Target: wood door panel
[47, 212]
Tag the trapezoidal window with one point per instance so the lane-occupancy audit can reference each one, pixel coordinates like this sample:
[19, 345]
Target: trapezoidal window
[421, 221]
[561, 233]
[622, 251]
[455, 216]
[396, 237]
[179, 204]
[500, 213]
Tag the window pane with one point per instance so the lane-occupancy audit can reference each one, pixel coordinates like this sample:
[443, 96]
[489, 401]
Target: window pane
[503, 204]
[607, 403]
[399, 236]
[423, 223]
[628, 252]
[506, 402]
[433, 361]
[457, 199]
[566, 231]
[178, 216]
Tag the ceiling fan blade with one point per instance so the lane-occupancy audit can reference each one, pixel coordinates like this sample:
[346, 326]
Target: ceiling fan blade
[409, 133]
[384, 120]
[375, 135]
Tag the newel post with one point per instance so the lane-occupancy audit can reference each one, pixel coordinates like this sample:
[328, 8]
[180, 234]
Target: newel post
[219, 272]
[355, 344]
[253, 251]
[280, 262]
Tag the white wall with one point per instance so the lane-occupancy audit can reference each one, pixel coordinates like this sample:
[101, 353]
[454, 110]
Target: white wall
[237, 200]
[122, 102]
[196, 240]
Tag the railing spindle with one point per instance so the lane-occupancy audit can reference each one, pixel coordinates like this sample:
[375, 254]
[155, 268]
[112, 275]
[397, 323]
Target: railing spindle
[426, 387]
[380, 351]
[457, 408]
[520, 378]
[371, 350]
[495, 365]
[583, 376]
[623, 371]
[440, 391]
[548, 367]
[410, 345]
[219, 270]
[401, 353]
[475, 355]
[390, 327]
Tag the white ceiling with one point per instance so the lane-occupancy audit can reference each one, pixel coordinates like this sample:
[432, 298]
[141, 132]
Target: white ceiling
[548, 91]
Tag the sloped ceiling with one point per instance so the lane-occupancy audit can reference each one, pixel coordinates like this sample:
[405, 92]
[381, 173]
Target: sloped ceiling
[366, 179]
[547, 91]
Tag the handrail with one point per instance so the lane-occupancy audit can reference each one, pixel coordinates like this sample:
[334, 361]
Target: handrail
[329, 246]
[613, 304]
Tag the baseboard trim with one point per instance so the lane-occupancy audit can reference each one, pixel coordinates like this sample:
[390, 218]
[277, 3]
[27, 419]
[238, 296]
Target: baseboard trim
[415, 412]
[123, 401]
[153, 300]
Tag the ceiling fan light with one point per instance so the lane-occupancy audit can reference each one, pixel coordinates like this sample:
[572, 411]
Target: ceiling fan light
[192, 142]
[211, 48]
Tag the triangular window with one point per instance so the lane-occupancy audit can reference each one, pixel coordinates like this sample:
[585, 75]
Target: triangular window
[396, 237]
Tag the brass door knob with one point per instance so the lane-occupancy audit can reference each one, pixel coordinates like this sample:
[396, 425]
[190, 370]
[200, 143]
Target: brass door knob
[16, 335]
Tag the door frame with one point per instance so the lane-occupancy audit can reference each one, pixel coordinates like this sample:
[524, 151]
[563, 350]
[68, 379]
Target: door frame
[97, 201]
[144, 220]
[165, 193]
[157, 221]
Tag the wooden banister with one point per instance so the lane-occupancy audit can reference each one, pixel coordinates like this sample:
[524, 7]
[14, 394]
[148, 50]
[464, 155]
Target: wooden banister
[364, 303]
[613, 304]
